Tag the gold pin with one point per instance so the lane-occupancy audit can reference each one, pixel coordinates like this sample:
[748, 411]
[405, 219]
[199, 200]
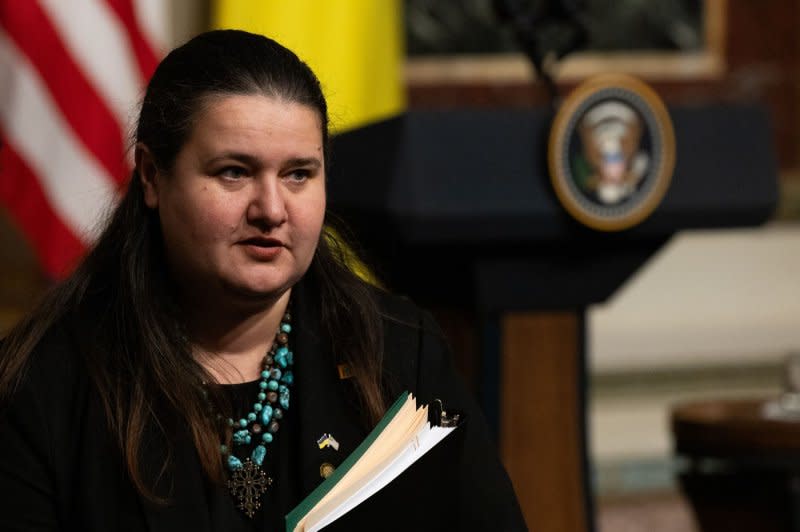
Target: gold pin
[326, 469]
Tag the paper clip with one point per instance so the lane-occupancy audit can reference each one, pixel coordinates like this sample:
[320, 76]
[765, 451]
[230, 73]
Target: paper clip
[439, 417]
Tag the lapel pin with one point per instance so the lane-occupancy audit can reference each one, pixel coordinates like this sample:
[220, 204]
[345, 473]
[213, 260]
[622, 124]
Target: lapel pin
[326, 470]
[345, 371]
[326, 440]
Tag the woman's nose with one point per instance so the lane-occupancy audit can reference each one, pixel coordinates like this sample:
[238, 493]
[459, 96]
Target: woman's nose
[268, 206]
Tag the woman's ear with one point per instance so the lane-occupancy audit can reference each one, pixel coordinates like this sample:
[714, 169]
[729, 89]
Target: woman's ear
[148, 174]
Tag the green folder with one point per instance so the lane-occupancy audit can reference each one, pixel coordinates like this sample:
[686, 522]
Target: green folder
[315, 496]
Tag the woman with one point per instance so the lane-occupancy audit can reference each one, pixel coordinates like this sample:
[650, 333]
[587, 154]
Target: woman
[214, 330]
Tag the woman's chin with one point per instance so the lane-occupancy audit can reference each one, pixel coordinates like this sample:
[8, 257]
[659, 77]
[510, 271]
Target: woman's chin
[265, 291]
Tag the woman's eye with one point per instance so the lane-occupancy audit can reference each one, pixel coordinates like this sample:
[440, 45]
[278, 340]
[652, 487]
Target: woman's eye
[299, 175]
[232, 172]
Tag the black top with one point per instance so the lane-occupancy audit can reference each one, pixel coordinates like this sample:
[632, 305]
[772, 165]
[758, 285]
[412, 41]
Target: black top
[60, 468]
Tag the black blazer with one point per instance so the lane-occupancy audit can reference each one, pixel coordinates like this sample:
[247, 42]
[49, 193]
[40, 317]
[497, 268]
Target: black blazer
[60, 469]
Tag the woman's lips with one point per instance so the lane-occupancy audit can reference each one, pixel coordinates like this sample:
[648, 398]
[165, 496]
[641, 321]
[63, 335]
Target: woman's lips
[262, 248]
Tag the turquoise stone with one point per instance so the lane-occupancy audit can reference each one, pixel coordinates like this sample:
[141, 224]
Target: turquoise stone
[278, 414]
[272, 385]
[234, 463]
[288, 378]
[240, 436]
[257, 407]
[284, 401]
[290, 357]
[242, 422]
[266, 415]
[285, 327]
[251, 416]
[265, 374]
[262, 385]
[258, 454]
[267, 437]
[262, 396]
[282, 357]
[275, 373]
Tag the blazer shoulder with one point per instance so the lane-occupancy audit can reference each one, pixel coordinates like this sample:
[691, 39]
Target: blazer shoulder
[402, 313]
[56, 357]
[54, 376]
[394, 306]
[414, 345]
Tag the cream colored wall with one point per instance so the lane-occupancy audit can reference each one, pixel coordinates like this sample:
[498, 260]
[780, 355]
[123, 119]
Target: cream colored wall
[712, 315]
[707, 298]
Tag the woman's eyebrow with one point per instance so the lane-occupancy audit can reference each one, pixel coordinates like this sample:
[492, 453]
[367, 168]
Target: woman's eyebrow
[250, 160]
[311, 162]
[237, 156]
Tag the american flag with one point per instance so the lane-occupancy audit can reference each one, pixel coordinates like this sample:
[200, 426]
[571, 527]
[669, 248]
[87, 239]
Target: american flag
[71, 75]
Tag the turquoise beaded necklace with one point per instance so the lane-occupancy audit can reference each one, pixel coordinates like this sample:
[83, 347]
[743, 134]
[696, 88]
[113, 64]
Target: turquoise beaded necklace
[248, 482]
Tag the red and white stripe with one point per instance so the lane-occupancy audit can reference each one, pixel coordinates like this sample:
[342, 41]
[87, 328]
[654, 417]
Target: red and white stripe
[71, 76]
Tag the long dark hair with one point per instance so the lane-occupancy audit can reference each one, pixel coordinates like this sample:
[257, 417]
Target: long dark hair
[139, 358]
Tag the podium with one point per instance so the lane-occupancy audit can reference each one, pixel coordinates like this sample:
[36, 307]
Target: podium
[456, 208]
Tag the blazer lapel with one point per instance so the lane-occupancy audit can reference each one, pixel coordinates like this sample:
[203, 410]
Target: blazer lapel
[323, 400]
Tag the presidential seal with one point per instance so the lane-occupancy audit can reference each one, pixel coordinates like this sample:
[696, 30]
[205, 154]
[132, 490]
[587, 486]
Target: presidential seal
[611, 152]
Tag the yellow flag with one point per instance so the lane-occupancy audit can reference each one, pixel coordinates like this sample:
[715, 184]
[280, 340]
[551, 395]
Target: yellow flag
[354, 46]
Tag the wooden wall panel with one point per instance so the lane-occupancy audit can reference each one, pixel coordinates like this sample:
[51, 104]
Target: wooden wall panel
[540, 435]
